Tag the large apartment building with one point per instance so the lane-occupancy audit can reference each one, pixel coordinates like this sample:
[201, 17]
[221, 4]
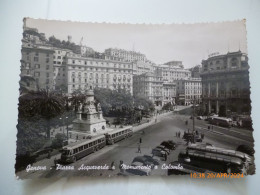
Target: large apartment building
[129, 56]
[83, 73]
[225, 84]
[188, 90]
[37, 63]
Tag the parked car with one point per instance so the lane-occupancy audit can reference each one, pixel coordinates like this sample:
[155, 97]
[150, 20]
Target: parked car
[200, 117]
[197, 138]
[164, 149]
[156, 152]
[153, 160]
[143, 160]
[169, 144]
[136, 170]
[45, 150]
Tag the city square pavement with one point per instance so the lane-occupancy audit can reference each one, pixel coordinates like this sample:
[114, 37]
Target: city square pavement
[152, 134]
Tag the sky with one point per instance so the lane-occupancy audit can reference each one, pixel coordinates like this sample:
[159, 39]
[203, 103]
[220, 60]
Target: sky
[189, 43]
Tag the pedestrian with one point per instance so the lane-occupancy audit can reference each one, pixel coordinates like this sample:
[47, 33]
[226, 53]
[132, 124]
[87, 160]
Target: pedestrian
[140, 140]
[139, 148]
[208, 127]
[49, 154]
[165, 157]
[112, 166]
[202, 135]
[121, 166]
[77, 137]
[55, 162]
[197, 133]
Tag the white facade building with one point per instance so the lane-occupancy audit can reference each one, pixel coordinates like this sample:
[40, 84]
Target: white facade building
[128, 56]
[83, 73]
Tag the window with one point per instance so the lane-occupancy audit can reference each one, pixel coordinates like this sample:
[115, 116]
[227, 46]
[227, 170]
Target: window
[37, 74]
[47, 67]
[36, 59]
[59, 57]
[37, 66]
[233, 62]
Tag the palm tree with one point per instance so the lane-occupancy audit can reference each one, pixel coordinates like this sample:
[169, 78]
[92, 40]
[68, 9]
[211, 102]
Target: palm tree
[44, 103]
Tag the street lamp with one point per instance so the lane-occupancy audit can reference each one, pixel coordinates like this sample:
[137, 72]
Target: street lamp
[67, 129]
[62, 124]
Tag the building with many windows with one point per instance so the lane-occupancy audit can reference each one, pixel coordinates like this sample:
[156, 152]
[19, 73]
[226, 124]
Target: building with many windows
[59, 68]
[188, 90]
[37, 62]
[225, 84]
[169, 93]
[83, 73]
[174, 71]
[149, 85]
[125, 55]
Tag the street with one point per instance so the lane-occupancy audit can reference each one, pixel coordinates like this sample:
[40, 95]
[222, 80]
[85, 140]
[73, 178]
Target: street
[126, 150]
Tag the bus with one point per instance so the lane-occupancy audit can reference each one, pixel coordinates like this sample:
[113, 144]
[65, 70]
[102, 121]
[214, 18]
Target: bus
[243, 156]
[220, 121]
[214, 162]
[73, 152]
[118, 134]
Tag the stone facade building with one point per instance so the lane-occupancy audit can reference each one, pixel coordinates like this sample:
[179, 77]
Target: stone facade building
[225, 84]
[149, 85]
[125, 55]
[37, 62]
[83, 73]
[188, 90]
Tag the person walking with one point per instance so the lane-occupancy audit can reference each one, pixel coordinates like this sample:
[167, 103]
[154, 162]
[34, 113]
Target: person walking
[121, 166]
[139, 148]
[140, 141]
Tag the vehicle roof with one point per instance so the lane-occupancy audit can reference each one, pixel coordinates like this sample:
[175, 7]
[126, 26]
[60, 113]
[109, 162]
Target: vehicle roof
[218, 151]
[81, 143]
[118, 130]
[214, 156]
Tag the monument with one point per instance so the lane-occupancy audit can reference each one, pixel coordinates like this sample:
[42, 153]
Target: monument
[89, 119]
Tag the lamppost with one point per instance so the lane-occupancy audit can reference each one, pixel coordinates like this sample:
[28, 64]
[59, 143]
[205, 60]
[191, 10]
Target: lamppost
[193, 121]
[67, 129]
[62, 123]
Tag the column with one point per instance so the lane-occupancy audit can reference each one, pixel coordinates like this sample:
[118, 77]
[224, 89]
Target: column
[217, 106]
[209, 89]
[209, 107]
[216, 89]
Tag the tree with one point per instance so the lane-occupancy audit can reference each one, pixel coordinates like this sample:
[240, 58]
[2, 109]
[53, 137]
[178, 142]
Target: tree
[77, 98]
[44, 103]
[143, 103]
